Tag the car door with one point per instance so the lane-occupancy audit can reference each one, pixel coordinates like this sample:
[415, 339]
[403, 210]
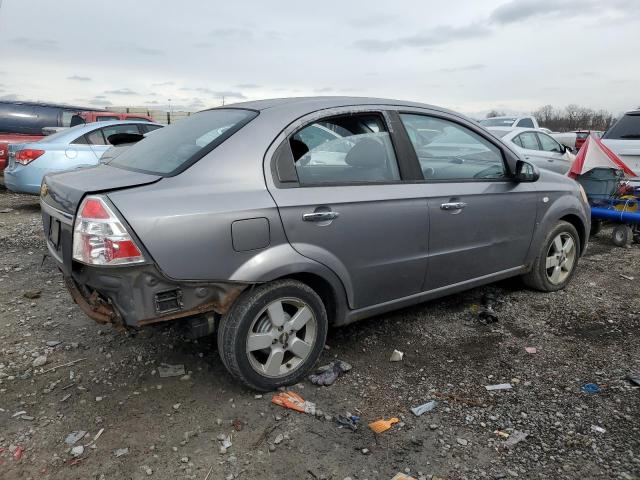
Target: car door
[529, 147]
[348, 208]
[555, 153]
[480, 221]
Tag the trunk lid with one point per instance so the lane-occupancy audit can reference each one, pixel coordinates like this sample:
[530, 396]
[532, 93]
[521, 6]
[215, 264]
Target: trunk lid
[65, 190]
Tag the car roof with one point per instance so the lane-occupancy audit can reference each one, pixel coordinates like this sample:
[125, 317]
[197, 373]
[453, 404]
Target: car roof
[321, 102]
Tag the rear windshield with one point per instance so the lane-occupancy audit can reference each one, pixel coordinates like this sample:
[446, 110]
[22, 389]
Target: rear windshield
[176, 147]
[627, 128]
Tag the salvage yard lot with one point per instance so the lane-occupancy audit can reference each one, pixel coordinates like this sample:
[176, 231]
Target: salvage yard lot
[171, 426]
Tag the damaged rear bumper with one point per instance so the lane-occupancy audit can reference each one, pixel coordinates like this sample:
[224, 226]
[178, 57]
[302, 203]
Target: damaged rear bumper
[140, 295]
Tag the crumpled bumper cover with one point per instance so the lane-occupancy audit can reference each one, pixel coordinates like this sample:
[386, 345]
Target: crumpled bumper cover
[136, 296]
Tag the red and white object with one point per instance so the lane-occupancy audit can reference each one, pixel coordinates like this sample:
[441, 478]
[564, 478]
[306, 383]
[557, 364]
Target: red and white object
[99, 238]
[595, 154]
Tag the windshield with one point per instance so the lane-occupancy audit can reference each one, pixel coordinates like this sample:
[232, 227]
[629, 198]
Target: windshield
[178, 146]
[627, 128]
[498, 122]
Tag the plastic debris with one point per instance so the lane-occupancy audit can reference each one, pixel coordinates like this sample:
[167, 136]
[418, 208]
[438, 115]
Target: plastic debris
[73, 437]
[531, 349]
[17, 414]
[486, 313]
[165, 370]
[18, 452]
[396, 356]
[349, 421]
[499, 386]
[590, 388]
[634, 378]
[293, 401]
[424, 408]
[383, 425]
[627, 277]
[121, 451]
[516, 437]
[402, 476]
[77, 450]
[597, 429]
[328, 374]
[501, 433]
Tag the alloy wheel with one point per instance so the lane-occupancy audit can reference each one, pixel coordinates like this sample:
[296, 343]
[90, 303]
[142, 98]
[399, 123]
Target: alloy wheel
[281, 337]
[561, 257]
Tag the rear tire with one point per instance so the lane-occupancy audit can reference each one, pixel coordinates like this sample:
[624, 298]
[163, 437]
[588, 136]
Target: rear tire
[273, 334]
[557, 259]
[622, 236]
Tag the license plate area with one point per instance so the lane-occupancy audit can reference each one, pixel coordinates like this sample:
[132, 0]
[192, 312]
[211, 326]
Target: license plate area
[54, 232]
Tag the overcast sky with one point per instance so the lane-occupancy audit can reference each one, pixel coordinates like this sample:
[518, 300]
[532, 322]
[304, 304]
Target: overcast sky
[468, 55]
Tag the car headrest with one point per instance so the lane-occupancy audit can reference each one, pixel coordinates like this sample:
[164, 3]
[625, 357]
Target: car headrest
[368, 152]
[298, 149]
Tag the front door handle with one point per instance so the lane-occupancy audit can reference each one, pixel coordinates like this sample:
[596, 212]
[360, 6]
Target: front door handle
[320, 216]
[453, 206]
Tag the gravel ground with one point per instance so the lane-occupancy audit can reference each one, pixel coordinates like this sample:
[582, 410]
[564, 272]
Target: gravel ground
[171, 427]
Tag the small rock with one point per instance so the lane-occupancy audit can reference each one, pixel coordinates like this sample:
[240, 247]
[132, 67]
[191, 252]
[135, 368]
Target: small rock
[176, 406]
[279, 438]
[462, 441]
[184, 459]
[365, 451]
[73, 437]
[77, 450]
[396, 356]
[32, 294]
[146, 469]
[53, 343]
[39, 361]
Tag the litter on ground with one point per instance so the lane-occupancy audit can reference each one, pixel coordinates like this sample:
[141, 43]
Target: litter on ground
[396, 356]
[165, 370]
[383, 425]
[424, 408]
[293, 401]
[328, 374]
[499, 386]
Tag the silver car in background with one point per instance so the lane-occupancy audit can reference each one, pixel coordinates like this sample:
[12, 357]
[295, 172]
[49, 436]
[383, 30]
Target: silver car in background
[537, 147]
[269, 221]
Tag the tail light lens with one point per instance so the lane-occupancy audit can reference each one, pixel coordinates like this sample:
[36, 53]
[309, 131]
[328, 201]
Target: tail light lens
[27, 155]
[99, 238]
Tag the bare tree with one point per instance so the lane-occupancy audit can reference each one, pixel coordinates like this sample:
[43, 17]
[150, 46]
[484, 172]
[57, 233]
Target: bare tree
[572, 117]
[495, 113]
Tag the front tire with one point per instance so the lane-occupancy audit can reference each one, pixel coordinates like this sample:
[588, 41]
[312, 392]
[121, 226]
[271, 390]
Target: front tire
[273, 334]
[556, 262]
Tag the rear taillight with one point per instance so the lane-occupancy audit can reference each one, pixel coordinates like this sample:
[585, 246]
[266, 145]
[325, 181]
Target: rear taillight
[99, 238]
[27, 155]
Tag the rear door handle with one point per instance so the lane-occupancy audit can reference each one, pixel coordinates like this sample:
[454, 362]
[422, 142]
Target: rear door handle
[320, 216]
[453, 206]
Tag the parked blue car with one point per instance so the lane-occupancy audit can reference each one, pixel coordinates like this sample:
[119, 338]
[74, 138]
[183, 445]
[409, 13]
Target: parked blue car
[75, 147]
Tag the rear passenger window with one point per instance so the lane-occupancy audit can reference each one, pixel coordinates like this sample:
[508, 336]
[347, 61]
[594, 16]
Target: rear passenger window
[113, 129]
[449, 151]
[345, 149]
[95, 138]
[528, 141]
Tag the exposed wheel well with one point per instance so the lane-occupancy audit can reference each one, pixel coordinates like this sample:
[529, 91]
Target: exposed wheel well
[579, 226]
[323, 289]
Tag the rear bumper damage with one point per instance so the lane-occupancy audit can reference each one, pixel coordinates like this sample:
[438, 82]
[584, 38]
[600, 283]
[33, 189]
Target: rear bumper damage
[138, 296]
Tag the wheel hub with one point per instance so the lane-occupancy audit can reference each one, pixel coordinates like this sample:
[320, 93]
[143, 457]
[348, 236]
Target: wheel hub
[284, 338]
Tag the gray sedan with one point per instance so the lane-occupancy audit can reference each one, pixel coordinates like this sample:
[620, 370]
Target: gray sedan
[269, 221]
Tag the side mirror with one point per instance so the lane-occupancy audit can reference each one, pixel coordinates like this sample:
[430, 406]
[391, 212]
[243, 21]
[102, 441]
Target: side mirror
[526, 172]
